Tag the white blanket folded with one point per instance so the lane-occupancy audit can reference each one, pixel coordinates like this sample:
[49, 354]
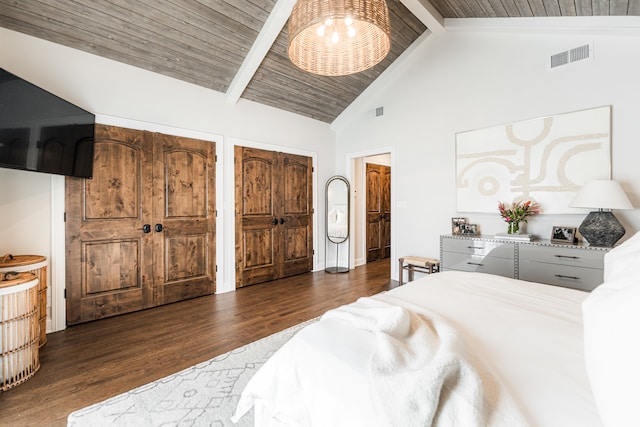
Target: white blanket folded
[421, 374]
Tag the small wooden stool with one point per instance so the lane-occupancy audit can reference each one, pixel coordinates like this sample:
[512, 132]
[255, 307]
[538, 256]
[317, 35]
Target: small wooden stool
[415, 263]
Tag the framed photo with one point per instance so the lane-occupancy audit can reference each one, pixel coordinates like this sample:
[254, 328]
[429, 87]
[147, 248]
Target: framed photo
[561, 234]
[458, 225]
[470, 229]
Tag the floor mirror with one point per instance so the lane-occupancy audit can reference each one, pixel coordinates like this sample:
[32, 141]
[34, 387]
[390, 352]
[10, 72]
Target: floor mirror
[337, 225]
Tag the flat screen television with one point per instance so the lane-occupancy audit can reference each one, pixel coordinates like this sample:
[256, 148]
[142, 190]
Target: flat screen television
[41, 132]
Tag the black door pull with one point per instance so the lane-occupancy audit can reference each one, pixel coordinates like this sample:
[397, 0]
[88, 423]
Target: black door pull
[158, 227]
[275, 221]
[281, 220]
[146, 228]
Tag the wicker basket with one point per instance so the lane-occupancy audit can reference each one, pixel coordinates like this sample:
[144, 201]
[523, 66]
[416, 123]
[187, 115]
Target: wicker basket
[36, 264]
[20, 357]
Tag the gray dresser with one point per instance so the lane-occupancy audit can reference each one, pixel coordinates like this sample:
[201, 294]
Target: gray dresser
[573, 266]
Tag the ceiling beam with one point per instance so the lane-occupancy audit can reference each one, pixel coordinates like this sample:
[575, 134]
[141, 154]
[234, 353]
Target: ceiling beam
[267, 36]
[427, 14]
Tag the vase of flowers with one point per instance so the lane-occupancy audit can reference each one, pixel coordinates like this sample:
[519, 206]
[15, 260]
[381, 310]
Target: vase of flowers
[517, 213]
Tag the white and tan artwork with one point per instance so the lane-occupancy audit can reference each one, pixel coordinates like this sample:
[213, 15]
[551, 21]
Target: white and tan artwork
[545, 160]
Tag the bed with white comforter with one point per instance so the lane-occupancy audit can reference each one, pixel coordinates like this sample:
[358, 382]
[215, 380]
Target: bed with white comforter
[461, 349]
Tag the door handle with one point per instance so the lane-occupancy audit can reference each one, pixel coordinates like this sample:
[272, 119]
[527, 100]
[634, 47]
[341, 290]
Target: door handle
[158, 227]
[146, 228]
[281, 220]
[275, 221]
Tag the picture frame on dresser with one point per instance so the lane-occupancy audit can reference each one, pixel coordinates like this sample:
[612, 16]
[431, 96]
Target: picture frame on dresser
[458, 225]
[563, 234]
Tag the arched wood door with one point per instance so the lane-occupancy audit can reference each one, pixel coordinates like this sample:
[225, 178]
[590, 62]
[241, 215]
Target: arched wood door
[274, 215]
[378, 203]
[141, 233]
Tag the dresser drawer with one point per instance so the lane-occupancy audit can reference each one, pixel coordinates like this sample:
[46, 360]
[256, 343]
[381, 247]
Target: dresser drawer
[478, 263]
[582, 278]
[562, 255]
[479, 247]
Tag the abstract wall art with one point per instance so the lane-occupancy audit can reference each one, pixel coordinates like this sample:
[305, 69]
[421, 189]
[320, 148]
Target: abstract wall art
[545, 160]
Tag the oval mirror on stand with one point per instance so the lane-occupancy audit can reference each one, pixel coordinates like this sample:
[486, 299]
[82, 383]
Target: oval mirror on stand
[337, 225]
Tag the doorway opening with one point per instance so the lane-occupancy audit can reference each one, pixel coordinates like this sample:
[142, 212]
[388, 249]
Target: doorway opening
[381, 225]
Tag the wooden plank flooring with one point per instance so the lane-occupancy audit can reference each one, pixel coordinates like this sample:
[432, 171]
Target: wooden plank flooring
[91, 362]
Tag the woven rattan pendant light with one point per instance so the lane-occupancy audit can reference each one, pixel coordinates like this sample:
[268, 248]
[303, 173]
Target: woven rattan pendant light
[338, 37]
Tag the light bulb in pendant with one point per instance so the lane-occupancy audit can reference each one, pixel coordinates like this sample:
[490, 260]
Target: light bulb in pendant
[348, 21]
[335, 38]
[328, 22]
[351, 32]
[320, 31]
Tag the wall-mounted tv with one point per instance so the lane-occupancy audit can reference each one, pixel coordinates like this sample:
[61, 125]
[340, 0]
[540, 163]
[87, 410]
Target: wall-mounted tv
[42, 132]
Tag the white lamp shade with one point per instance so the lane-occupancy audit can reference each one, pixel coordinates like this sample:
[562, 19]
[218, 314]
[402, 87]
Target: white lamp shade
[601, 194]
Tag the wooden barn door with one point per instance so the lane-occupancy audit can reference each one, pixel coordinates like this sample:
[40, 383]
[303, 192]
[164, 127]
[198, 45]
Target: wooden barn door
[273, 215]
[141, 232]
[378, 181]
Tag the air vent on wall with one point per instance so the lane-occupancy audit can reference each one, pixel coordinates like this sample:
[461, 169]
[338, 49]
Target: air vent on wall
[572, 55]
[379, 111]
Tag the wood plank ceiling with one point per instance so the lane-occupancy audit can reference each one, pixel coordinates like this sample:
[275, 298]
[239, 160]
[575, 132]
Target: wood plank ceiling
[206, 41]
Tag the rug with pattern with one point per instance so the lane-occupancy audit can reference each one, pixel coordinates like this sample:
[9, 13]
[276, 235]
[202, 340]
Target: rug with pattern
[203, 395]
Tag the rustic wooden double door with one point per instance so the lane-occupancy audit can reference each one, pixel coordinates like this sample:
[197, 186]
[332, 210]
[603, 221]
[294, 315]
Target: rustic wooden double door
[378, 212]
[274, 211]
[141, 233]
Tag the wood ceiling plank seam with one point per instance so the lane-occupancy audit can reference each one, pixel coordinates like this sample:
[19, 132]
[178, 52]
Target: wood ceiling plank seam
[619, 8]
[401, 32]
[460, 8]
[325, 94]
[406, 17]
[266, 5]
[567, 7]
[498, 8]
[77, 38]
[634, 8]
[320, 93]
[538, 9]
[284, 103]
[600, 7]
[552, 7]
[301, 103]
[157, 30]
[476, 9]
[511, 8]
[197, 22]
[524, 8]
[466, 8]
[583, 8]
[488, 8]
[445, 8]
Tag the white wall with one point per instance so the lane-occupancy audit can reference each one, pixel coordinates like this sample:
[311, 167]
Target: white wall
[121, 94]
[471, 78]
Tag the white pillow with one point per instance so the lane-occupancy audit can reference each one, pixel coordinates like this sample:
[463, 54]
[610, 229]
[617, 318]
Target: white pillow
[612, 342]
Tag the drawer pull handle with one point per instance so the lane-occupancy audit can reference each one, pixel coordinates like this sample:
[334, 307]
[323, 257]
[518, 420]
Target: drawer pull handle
[475, 247]
[567, 256]
[475, 263]
[562, 276]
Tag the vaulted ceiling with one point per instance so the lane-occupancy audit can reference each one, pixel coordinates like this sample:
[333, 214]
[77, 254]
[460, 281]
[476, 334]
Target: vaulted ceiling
[238, 47]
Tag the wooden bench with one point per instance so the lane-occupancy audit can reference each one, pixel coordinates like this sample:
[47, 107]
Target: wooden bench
[420, 264]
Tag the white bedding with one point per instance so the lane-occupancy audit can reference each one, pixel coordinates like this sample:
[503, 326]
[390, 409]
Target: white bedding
[529, 335]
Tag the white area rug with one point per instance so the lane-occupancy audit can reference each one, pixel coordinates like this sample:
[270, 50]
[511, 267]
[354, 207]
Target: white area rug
[202, 395]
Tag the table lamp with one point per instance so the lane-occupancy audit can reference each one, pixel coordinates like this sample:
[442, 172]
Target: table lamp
[601, 227]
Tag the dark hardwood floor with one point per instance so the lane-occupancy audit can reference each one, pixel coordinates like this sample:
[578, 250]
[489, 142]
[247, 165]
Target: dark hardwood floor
[91, 362]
